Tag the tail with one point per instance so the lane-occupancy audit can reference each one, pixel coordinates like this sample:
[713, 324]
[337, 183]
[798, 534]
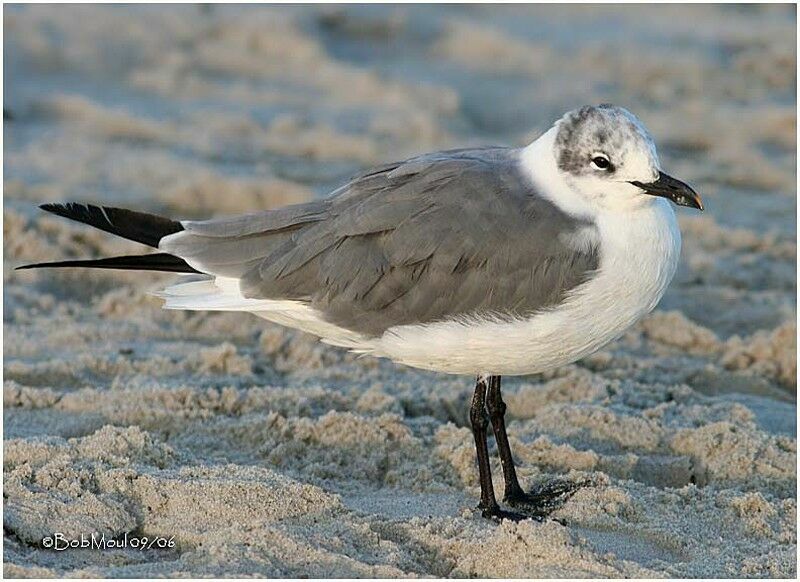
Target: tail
[141, 227]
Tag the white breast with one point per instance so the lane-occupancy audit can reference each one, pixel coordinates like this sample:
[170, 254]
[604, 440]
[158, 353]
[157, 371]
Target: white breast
[638, 257]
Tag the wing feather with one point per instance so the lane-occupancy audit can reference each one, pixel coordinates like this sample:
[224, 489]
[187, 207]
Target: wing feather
[441, 236]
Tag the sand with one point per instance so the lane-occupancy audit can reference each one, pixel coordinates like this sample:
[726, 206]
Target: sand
[260, 452]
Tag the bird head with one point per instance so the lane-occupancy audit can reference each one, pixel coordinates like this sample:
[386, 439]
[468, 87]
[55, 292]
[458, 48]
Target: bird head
[607, 156]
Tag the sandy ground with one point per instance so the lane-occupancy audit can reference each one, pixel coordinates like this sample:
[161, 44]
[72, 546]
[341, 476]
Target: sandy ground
[262, 452]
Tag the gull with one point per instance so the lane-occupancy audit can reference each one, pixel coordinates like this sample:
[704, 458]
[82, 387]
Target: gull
[484, 261]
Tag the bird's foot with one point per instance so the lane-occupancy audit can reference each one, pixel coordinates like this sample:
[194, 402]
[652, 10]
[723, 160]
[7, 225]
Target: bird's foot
[545, 498]
[494, 513]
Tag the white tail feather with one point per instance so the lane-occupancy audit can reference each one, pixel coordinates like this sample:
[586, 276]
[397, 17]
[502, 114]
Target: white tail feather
[223, 294]
[219, 294]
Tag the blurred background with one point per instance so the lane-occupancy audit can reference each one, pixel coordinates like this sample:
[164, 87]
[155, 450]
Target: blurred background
[196, 111]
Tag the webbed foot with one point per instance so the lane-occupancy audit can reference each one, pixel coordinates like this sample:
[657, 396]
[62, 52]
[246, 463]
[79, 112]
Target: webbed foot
[545, 498]
[495, 513]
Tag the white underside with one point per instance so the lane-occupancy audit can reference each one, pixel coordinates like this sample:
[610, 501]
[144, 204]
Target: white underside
[640, 251]
[639, 258]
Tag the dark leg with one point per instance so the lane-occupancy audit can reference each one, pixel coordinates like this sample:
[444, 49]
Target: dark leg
[480, 422]
[497, 413]
[546, 497]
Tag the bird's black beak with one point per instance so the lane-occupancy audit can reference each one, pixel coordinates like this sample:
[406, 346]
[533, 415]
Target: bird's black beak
[675, 190]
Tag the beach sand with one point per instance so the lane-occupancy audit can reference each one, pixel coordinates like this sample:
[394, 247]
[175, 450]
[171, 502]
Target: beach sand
[258, 451]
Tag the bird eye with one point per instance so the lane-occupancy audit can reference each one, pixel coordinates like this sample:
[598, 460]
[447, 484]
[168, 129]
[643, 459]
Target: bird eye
[601, 163]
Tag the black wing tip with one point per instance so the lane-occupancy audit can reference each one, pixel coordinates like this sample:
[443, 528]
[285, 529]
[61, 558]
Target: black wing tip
[153, 262]
[50, 206]
[44, 265]
[65, 209]
[140, 227]
[38, 266]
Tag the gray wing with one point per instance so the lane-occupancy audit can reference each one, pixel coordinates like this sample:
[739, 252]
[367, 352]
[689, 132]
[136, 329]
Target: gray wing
[445, 235]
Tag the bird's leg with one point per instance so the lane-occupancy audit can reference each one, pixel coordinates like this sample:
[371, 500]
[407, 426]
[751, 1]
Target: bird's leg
[497, 413]
[480, 422]
[546, 497]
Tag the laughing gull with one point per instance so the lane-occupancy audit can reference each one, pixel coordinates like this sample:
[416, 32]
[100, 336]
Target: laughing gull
[482, 261]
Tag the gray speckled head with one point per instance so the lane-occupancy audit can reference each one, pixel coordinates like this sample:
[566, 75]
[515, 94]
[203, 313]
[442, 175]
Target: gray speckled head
[609, 131]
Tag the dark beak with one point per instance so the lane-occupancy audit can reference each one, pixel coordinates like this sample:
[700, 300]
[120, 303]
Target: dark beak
[675, 190]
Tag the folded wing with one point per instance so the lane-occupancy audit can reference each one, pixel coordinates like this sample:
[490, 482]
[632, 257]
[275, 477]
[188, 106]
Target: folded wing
[448, 235]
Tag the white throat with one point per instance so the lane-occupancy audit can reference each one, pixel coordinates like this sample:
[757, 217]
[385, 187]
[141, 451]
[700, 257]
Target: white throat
[539, 164]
